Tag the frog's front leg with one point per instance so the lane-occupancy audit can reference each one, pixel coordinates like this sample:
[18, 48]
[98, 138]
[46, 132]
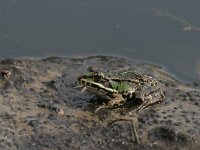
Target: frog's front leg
[116, 101]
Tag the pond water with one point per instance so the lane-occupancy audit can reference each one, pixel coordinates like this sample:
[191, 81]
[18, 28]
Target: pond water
[163, 32]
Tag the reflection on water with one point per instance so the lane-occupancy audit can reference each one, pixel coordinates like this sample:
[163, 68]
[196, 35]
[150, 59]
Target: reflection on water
[187, 26]
[162, 32]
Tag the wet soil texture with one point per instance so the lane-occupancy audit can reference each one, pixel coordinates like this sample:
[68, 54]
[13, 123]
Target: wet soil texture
[41, 108]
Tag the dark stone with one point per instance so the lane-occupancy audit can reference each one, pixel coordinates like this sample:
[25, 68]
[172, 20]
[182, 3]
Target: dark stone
[38, 89]
[169, 134]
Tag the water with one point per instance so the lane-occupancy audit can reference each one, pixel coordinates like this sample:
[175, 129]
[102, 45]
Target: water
[163, 32]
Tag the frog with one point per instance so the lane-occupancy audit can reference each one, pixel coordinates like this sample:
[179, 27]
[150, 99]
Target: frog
[117, 88]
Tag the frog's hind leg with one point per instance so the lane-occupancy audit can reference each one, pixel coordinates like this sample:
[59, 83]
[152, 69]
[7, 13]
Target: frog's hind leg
[150, 100]
[144, 105]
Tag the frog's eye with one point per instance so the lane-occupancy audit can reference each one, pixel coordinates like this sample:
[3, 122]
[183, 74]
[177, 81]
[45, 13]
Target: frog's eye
[98, 76]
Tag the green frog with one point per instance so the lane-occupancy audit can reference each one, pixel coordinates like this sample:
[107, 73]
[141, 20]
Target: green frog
[120, 87]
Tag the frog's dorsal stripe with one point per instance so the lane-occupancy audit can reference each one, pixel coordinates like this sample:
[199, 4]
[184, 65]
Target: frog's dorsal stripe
[138, 80]
[97, 86]
[127, 80]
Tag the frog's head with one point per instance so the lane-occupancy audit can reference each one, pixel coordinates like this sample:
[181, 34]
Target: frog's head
[91, 77]
[102, 84]
[93, 80]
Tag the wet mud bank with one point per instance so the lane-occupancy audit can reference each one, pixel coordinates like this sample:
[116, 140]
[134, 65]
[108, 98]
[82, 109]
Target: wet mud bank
[41, 108]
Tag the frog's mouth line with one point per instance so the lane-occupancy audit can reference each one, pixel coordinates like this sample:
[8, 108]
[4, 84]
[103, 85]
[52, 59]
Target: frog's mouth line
[97, 88]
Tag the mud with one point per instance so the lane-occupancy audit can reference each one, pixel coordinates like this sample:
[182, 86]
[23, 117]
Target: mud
[41, 108]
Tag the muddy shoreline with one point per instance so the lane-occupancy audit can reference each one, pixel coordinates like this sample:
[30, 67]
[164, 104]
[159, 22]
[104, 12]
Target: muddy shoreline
[41, 109]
